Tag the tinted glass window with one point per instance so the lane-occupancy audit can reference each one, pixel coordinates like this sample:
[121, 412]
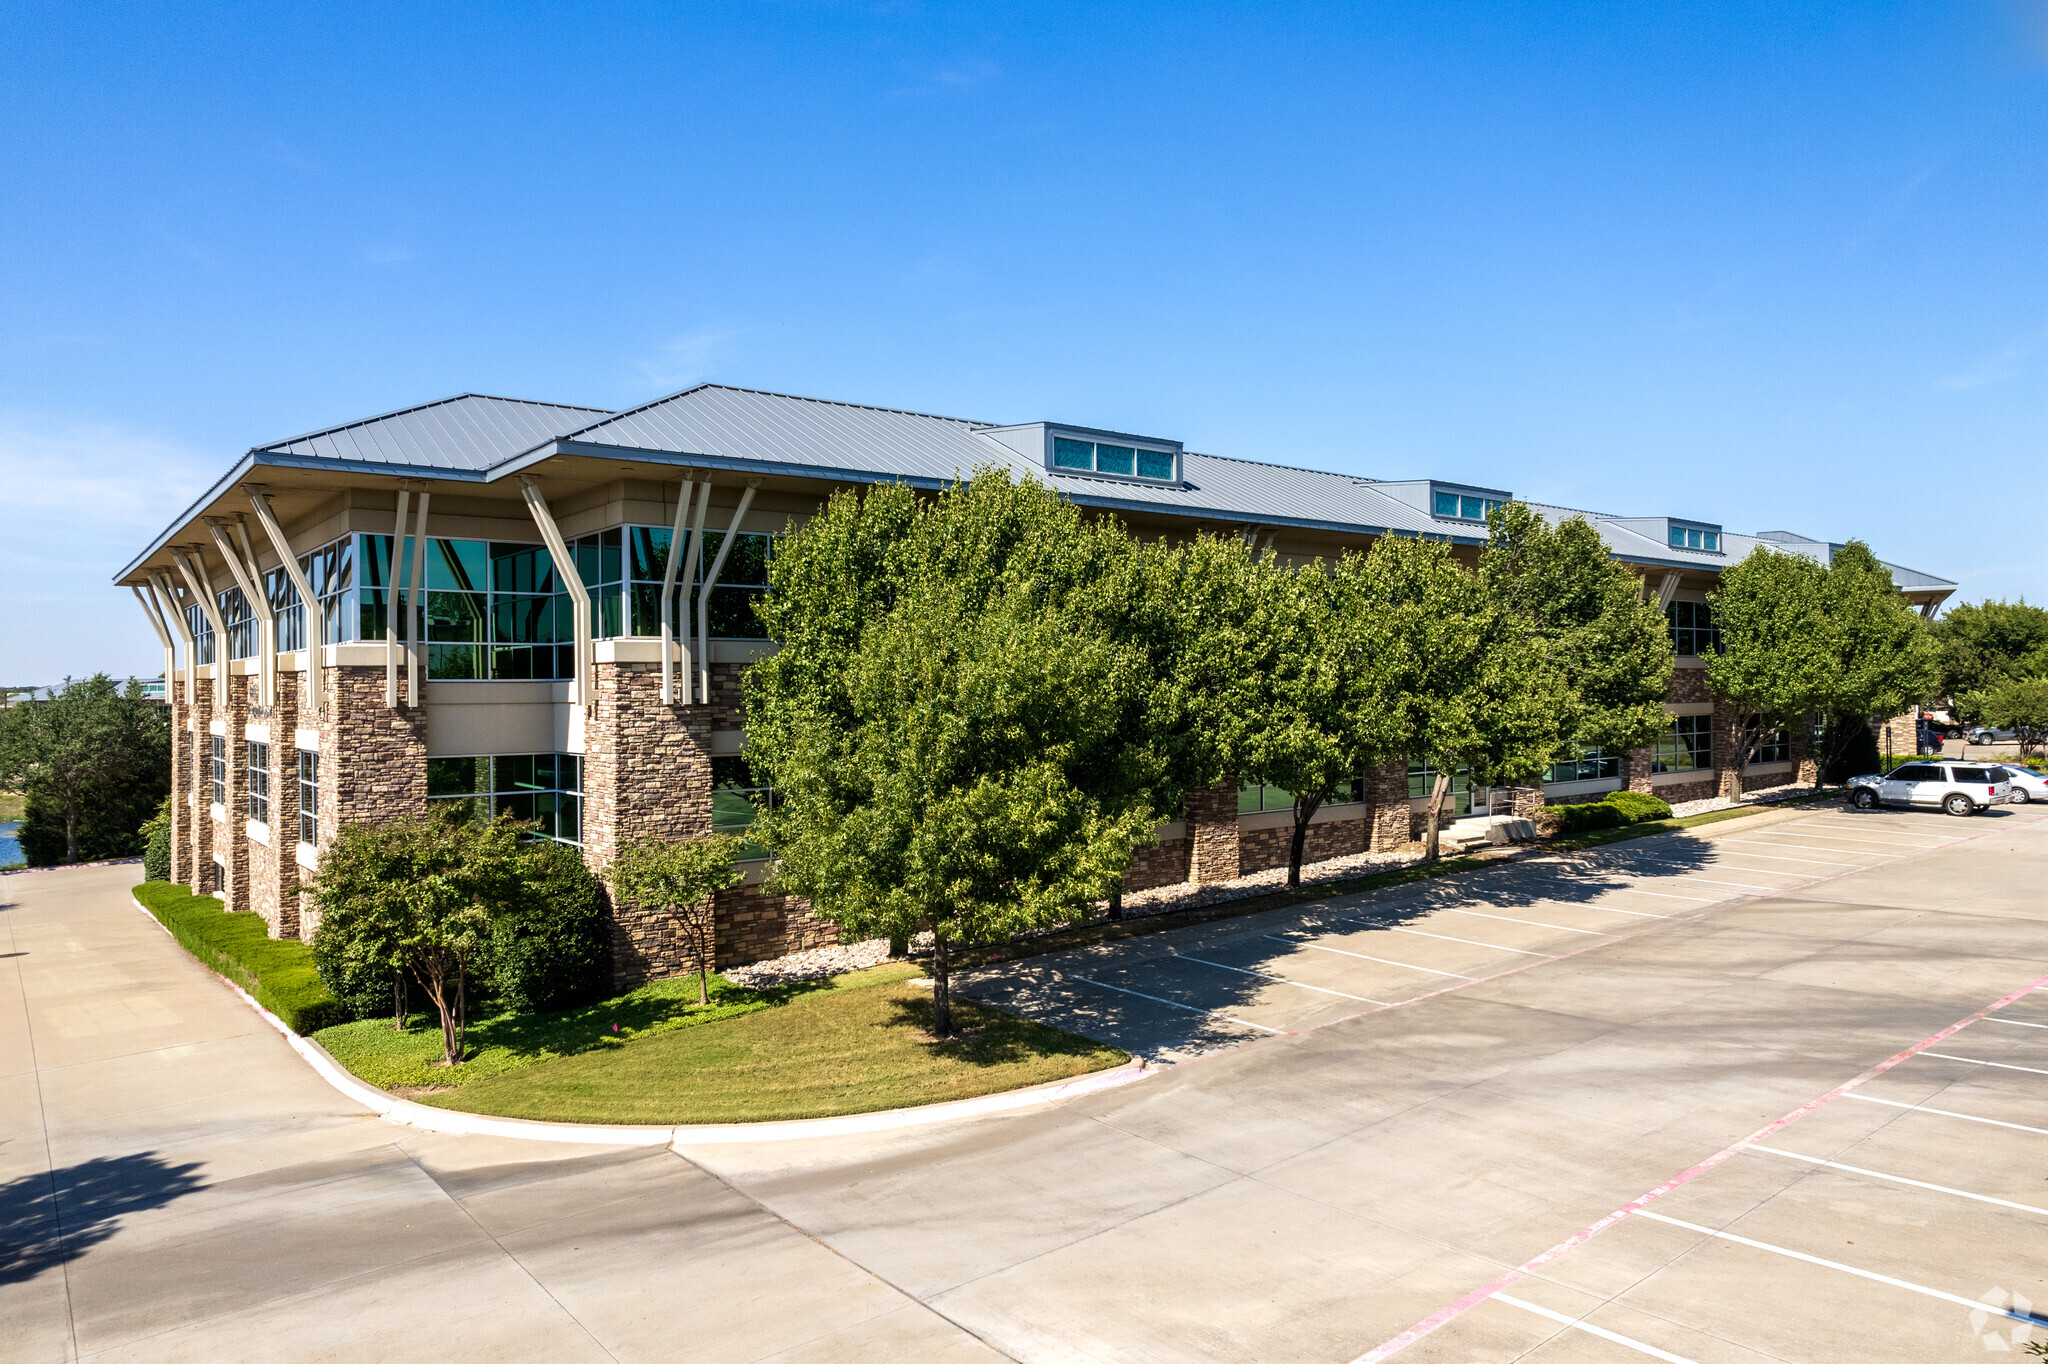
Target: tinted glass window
[1974, 774]
[1922, 773]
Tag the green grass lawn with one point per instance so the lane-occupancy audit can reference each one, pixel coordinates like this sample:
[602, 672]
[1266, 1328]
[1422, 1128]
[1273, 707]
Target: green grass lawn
[372, 1050]
[856, 1044]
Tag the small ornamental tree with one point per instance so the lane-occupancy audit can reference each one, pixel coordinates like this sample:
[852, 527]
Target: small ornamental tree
[945, 724]
[1879, 658]
[1984, 643]
[418, 897]
[680, 878]
[1321, 710]
[1586, 613]
[1471, 687]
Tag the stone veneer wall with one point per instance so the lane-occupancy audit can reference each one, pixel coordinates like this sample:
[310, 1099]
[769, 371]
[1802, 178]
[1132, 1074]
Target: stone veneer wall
[1164, 864]
[752, 925]
[1386, 797]
[1261, 849]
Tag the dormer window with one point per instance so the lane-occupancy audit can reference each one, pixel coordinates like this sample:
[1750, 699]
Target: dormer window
[1463, 506]
[1707, 539]
[1117, 461]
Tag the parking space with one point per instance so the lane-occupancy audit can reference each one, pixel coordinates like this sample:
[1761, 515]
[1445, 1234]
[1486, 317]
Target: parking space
[1194, 991]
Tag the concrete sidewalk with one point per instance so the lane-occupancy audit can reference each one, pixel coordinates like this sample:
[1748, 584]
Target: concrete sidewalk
[176, 1184]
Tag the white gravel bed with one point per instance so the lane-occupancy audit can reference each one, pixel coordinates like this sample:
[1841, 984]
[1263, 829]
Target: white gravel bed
[812, 965]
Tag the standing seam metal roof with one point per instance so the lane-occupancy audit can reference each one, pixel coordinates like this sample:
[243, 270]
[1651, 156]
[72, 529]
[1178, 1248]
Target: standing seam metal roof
[470, 432]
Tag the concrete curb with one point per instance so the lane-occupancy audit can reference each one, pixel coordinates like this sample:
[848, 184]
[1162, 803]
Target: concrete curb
[449, 1121]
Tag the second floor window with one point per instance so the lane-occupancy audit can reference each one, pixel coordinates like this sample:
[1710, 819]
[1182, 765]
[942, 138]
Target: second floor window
[217, 764]
[259, 783]
[1693, 633]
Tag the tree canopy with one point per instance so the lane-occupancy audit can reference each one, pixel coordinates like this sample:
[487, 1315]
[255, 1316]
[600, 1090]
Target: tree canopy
[93, 762]
[1988, 642]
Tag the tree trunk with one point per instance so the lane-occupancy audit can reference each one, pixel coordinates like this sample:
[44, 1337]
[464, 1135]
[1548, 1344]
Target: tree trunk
[942, 994]
[1430, 847]
[1304, 811]
[461, 1012]
[71, 831]
[398, 1001]
[1116, 905]
[436, 981]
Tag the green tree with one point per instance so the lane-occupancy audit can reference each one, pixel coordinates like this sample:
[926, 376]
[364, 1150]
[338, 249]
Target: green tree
[1321, 708]
[1879, 657]
[1774, 645]
[2019, 704]
[1985, 643]
[417, 897]
[1802, 639]
[1471, 685]
[93, 761]
[680, 878]
[1587, 615]
[946, 721]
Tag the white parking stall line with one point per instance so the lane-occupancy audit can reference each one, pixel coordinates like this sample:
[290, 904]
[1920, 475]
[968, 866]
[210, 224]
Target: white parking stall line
[2031, 1070]
[2015, 1023]
[1972, 1303]
[1949, 1113]
[1901, 1179]
[1268, 975]
[1590, 1329]
[1814, 861]
[1834, 838]
[1696, 879]
[1753, 871]
[1470, 942]
[1176, 1004]
[1896, 830]
[1506, 919]
[1607, 909]
[1406, 966]
[1665, 895]
[1758, 842]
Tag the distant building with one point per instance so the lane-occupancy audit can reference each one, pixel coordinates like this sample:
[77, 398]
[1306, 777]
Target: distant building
[502, 684]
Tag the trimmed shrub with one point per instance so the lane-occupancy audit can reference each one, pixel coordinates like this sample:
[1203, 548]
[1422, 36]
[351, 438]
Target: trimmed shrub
[156, 844]
[1638, 806]
[277, 971]
[555, 952]
[1593, 814]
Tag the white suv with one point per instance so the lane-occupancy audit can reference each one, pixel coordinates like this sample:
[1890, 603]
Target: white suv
[1959, 788]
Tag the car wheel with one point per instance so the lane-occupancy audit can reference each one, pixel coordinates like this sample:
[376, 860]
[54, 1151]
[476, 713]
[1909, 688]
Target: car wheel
[1959, 804]
[1864, 799]
[2019, 795]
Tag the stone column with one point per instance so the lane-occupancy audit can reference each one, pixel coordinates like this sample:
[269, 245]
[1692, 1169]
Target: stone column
[233, 708]
[1386, 797]
[646, 774]
[274, 870]
[204, 875]
[1636, 769]
[1806, 766]
[373, 760]
[1212, 833]
[1728, 755]
[181, 783]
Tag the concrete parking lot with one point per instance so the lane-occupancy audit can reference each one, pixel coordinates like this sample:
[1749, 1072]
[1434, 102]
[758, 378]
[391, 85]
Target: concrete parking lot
[1694, 1097]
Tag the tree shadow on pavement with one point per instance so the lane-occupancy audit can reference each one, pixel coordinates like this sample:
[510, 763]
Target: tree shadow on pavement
[49, 1218]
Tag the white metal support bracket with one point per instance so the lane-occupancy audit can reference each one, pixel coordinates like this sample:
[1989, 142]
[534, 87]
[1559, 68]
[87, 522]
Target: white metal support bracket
[316, 619]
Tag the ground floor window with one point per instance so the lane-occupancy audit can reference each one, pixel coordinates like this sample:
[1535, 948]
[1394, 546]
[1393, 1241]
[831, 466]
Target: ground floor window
[1584, 764]
[218, 770]
[259, 782]
[738, 796]
[546, 788]
[1773, 746]
[1253, 798]
[309, 797]
[1422, 781]
[1688, 746]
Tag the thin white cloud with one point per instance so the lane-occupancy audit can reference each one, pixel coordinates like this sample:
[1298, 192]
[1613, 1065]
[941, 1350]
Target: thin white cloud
[83, 498]
[388, 254]
[682, 359]
[1996, 368]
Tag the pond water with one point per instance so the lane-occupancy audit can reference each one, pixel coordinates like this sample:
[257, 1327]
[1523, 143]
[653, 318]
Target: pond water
[10, 849]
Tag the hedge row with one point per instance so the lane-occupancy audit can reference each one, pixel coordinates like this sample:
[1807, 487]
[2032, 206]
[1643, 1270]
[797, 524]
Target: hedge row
[1614, 810]
[278, 972]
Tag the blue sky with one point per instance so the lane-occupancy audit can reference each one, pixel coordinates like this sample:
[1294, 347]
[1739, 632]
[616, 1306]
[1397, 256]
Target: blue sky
[1774, 266]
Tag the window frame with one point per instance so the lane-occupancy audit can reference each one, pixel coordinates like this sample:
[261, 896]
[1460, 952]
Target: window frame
[217, 770]
[309, 797]
[257, 798]
[1692, 735]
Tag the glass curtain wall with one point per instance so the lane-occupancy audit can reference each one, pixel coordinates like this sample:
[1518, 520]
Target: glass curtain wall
[1457, 802]
[1253, 798]
[1587, 764]
[202, 634]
